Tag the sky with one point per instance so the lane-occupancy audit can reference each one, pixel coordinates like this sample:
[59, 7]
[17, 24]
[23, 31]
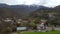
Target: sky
[48, 3]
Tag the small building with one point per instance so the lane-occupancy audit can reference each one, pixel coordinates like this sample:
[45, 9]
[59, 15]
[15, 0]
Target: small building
[7, 20]
[41, 26]
[21, 28]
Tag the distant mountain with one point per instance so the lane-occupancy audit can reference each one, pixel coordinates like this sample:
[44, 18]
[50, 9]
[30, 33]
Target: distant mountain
[19, 10]
[23, 9]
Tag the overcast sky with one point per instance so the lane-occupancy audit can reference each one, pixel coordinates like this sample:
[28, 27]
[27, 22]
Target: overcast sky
[49, 3]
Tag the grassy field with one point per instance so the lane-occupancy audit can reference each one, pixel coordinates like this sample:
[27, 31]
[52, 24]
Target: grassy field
[50, 32]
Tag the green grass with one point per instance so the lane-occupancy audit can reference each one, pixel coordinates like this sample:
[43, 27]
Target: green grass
[50, 32]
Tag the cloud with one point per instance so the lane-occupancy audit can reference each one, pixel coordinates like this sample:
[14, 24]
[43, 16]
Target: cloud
[52, 3]
[10, 2]
[30, 2]
[26, 2]
[49, 3]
